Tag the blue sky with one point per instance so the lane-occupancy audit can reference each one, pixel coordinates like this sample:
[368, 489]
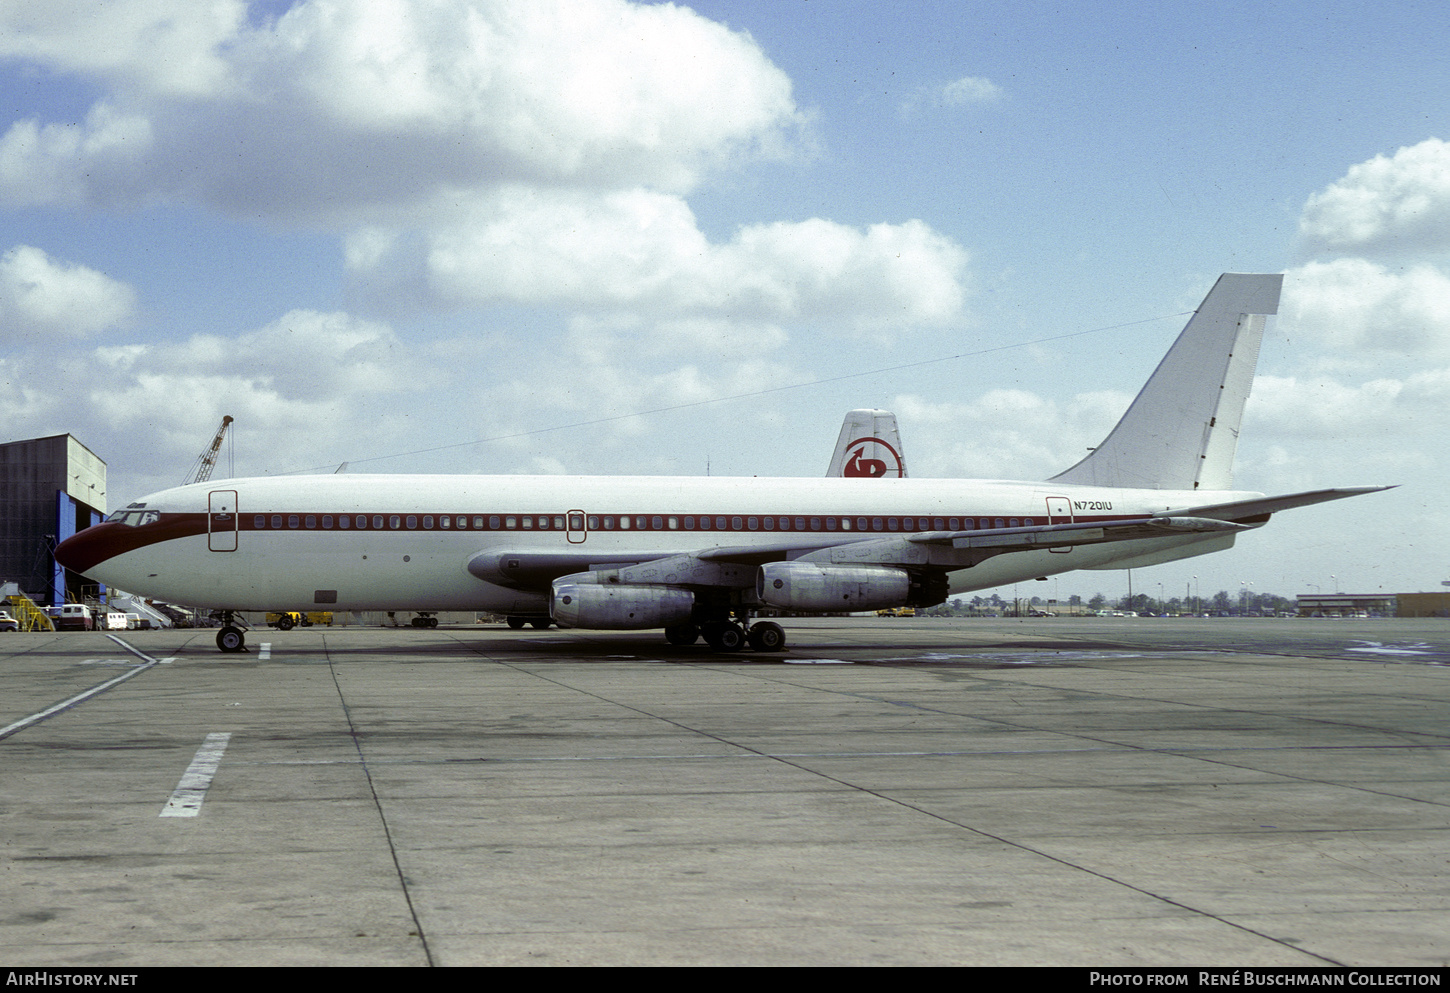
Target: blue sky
[380, 232]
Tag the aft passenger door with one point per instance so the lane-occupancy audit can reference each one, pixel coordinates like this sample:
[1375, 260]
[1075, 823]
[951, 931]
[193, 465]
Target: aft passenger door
[1059, 511]
[221, 521]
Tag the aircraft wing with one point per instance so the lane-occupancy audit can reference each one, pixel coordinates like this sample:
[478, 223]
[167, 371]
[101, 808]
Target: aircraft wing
[733, 566]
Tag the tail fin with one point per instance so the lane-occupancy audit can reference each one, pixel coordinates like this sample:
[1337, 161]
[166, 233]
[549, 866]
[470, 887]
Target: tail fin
[1182, 430]
[869, 446]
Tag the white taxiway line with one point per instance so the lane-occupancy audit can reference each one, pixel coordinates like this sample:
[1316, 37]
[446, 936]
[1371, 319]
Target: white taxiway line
[186, 800]
[25, 722]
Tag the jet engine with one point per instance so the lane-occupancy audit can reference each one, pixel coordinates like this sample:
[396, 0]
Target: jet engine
[591, 605]
[806, 586]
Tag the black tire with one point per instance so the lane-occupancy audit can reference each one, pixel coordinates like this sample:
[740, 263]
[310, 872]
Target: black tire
[725, 638]
[682, 634]
[767, 636]
[284, 623]
[517, 623]
[230, 639]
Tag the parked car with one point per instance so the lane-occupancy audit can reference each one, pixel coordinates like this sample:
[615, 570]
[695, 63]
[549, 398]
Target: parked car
[8, 623]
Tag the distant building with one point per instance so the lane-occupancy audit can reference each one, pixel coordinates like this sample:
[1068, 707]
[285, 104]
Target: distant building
[1423, 605]
[1345, 604]
[50, 488]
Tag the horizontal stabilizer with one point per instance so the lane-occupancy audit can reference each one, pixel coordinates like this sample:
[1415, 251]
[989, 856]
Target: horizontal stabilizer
[1257, 511]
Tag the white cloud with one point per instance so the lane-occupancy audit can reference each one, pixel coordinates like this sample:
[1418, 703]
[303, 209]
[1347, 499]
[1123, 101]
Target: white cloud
[341, 110]
[1319, 406]
[1393, 204]
[44, 299]
[970, 89]
[643, 251]
[159, 46]
[1351, 306]
[966, 91]
[101, 159]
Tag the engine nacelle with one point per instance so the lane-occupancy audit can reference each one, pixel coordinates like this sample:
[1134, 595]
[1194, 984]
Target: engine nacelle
[806, 586]
[590, 605]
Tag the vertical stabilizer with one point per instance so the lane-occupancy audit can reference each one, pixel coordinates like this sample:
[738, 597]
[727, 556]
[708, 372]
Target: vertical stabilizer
[869, 447]
[1182, 430]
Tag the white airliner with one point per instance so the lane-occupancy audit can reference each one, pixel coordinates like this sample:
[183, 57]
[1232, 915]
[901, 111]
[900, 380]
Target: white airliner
[702, 555]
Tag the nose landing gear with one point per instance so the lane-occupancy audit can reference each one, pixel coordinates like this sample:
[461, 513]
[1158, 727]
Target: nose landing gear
[230, 638]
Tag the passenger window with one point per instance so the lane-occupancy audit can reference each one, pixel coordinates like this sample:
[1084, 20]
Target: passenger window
[427, 521]
[327, 520]
[293, 520]
[657, 523]
[378, 521]
[344, 521]
[447, 522]
[312, 520]
[1016, 523]
[412, 522]
[260, 521]
[276, 520]
[510, 523]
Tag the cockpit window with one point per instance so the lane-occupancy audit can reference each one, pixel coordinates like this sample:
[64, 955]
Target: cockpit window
[135, 518]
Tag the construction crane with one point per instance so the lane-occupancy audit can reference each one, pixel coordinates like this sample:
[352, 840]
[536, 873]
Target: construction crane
[201, 469]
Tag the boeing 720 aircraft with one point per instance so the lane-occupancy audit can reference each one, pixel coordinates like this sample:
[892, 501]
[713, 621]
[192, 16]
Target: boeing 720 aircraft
[702, 555]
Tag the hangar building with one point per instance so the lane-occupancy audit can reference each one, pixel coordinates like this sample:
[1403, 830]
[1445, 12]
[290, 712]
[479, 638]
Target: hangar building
[50, 488]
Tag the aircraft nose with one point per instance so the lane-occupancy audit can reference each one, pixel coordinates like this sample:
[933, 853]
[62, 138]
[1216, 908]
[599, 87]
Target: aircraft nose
[83, 551]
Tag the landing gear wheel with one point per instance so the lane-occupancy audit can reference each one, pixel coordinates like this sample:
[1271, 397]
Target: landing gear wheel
[725, 637]
[682, 634]
[230, 639]
[540, 623]
[517, 623]
[766, 636]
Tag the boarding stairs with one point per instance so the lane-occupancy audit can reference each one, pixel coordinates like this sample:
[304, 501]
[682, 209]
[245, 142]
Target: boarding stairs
[30, 616]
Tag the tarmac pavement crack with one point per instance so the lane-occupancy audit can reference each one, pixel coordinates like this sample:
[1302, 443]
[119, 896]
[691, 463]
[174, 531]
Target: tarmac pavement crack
[378, 804]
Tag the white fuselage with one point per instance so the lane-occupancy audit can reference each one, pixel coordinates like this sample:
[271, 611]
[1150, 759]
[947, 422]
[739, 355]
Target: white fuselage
[380, 542]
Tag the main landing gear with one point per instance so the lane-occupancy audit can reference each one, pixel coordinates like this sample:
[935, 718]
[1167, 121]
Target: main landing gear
[230, 638]
[730, 635]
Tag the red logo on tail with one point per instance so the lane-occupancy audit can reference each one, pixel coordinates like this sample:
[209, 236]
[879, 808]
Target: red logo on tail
[858, 467]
